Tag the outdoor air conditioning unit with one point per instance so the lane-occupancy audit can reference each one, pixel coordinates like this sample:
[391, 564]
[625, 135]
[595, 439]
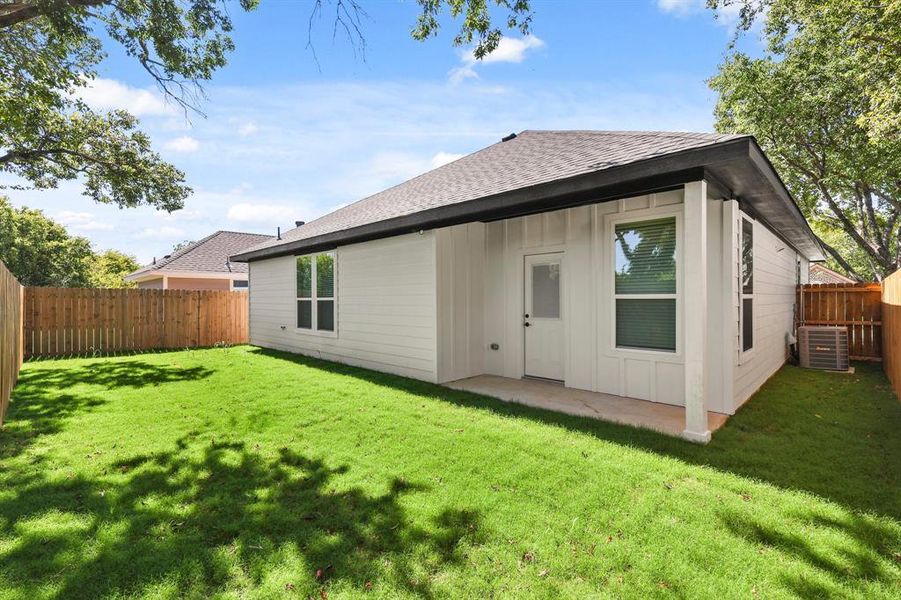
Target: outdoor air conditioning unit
[823, 347]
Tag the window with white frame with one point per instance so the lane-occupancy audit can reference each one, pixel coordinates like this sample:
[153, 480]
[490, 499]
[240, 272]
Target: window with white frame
[316, 292]
[747, 284]
[645, 288]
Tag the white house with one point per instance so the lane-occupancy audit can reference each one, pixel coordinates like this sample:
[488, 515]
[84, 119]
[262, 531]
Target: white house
[647, 265]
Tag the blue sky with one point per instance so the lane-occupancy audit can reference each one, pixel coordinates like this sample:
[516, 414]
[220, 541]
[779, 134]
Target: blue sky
[286, 139]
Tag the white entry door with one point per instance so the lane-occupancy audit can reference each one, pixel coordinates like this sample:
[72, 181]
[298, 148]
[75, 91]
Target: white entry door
[543, 316]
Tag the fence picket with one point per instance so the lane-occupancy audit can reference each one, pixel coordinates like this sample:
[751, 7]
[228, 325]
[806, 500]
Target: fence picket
[66, 321]
[855, 306]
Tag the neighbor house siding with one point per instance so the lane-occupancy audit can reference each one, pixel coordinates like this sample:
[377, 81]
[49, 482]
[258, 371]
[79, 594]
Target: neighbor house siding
[197, 283]
[386, 307]
[152, 284]
[775, 280]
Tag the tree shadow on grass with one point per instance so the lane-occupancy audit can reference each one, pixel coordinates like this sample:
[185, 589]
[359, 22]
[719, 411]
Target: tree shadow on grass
[127, 373]
[42, 400]
[208, 517]
[864, 558]
[832, 435]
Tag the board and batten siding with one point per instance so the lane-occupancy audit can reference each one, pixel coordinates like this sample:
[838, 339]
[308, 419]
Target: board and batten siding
[386, 307]
[775, 282]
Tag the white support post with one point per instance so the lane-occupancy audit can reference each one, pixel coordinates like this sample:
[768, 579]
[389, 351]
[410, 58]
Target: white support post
[694, 303]
[729, 286]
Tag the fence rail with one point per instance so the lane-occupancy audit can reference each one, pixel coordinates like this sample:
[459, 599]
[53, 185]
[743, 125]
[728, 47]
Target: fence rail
[857, 306]
[79, 321]
[891, 330]
[10, 335]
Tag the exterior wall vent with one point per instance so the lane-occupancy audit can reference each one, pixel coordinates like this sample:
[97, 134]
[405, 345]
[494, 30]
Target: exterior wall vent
[823, 347]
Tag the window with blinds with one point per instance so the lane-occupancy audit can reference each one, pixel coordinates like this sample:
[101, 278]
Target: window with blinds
[316, 292]
[645, 284]
[747, 285]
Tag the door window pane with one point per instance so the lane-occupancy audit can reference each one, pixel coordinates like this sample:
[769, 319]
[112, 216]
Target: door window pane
[304, 277]
[646, 323]
[646, 257]
[546, 291]
[305, 314]
[325, 315]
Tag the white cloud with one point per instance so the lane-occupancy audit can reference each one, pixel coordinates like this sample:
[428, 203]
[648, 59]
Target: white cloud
[509, 50]
[81, 221]
[680, 6]
[183, 144]
[247, 129]
[109, 94]
[254, 212]
[726, 15]
[442, 158]
[161, 232]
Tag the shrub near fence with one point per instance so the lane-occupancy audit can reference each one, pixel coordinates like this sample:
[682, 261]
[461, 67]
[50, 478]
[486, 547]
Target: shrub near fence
[857, 306]
[891, 337]
[80, 321]
[10, 335]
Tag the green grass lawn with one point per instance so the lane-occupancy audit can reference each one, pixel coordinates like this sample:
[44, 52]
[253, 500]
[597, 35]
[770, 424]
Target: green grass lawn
[247, 473]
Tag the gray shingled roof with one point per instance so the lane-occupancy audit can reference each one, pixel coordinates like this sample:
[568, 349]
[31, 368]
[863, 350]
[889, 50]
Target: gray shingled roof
[531, 158]
[209, 254]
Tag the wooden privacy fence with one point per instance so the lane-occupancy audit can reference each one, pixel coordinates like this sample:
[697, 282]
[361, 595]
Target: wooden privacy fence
[891, 329]
[857, 306]
[10, 335]
[72, 321]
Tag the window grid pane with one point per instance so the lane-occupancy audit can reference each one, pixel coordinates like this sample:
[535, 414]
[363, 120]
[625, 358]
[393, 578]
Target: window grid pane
[648, 324]
[325, 276]
[646, 257]
[325, 315]
[747, 324]
[747, 257]
[304, 277]
[305, 314]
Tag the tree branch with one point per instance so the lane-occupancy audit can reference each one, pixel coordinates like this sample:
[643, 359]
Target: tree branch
[18, 12]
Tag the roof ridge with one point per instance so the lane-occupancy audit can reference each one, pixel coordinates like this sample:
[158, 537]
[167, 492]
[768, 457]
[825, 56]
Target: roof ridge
[244, 233]
[632, 132]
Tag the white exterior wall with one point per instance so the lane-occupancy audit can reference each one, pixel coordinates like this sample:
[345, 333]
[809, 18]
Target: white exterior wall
[385, 305]
[775, 281]
[460, 252]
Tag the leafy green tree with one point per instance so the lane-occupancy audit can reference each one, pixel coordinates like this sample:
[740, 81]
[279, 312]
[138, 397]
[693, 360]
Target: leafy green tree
[50, 48]
[40, 252]
[108, 269]
[822, 101]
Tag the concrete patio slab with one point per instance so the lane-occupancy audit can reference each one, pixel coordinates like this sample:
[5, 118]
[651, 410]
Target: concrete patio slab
[664, 418]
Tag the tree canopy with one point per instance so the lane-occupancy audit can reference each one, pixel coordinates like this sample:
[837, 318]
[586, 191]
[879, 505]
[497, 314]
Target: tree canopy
[40, 252]
[823, 102]
[51, 48]
[108, 269]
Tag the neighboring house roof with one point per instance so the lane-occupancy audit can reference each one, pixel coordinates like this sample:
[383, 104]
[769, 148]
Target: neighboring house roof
[537, 171]
[208, 255]
[821, 274]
